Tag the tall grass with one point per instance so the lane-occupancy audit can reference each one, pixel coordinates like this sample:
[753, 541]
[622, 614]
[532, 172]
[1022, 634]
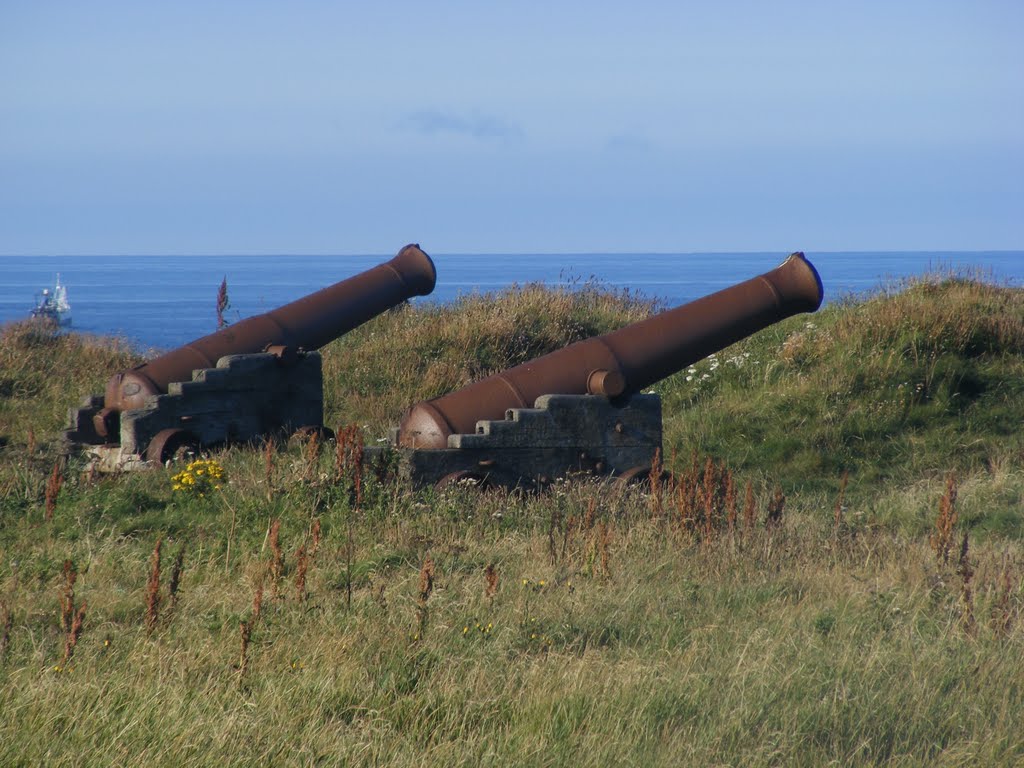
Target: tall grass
[641, 644]
[779, 596]
[888, 390]
[408, 355]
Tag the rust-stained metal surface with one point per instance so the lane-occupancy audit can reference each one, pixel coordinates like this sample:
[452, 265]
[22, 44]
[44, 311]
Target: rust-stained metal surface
[625, 361]
[308, 323]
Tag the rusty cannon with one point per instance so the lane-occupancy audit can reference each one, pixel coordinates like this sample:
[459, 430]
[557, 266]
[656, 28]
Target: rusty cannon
[255, 377]
[580, 409]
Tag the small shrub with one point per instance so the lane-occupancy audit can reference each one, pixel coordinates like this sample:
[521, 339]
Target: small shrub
[199, 478]
[824, 623]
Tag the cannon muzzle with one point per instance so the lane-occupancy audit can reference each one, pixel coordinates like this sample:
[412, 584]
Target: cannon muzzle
[308, 323]
[625, 361]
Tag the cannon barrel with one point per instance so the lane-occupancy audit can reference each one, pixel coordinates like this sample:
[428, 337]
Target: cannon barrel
[308, 323]
[625, 361]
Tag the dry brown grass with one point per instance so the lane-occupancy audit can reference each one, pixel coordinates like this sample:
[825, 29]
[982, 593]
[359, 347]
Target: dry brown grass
[67, 595]
[269, 452]
[74, 633]
[490, 582]
[301, 568]
[312, 446]
[257, 602]
[426, 587]
[777, 505]
[966, 572]
[53, 486]
[6, 624]
[314, 536]
[945, 523]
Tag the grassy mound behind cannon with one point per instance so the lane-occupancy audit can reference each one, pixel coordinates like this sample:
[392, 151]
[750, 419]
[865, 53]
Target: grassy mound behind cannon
[890, 389]
[876, 619]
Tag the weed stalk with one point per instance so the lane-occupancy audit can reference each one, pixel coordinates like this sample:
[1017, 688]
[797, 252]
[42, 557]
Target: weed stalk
[53, 486]
[945, 523]
[74, 633]
[426, 588]
[153, 588]
[67, 596]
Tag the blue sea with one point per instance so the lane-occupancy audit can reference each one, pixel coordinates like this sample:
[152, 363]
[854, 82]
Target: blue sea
[161, 302]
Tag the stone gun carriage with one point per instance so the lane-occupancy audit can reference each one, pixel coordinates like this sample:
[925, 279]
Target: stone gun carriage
[256, 377]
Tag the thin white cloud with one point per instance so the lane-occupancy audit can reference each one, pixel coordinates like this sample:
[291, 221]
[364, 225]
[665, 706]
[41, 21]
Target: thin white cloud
[628, 142]
[435, 122]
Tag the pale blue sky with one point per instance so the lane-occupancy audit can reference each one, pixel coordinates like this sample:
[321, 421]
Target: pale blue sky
[316, 127]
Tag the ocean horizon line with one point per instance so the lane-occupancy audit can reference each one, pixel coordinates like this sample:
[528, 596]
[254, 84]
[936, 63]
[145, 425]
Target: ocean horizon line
[456, 254]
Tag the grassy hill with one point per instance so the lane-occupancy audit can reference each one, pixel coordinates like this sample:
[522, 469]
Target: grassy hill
[862, 606]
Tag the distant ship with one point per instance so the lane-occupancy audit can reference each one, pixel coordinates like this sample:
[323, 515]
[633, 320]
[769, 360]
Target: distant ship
[53, 305]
